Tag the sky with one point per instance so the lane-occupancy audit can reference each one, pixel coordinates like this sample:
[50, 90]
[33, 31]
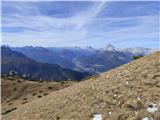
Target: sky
[81, 23]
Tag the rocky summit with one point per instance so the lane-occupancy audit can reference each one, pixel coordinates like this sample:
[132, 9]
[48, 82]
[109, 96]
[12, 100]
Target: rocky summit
[129, 92]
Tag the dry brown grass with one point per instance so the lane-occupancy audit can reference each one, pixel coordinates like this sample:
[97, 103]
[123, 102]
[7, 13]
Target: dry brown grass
[17, 91]
[125, 92]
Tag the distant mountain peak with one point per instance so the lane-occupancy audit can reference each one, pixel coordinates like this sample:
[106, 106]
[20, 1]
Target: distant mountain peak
[89, 48]
[109, 47]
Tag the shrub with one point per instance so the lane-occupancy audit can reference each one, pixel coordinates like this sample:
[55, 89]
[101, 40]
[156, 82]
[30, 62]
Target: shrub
[50, 87]
[15, 89]
[24, 99]
[62, 82]
[8, 111]
[57, 118]
[19, 81]
[137, 57]
[40, 91]
[39, 96]
[33, 94]
[9, 103]
[45, 94]
[24, 102]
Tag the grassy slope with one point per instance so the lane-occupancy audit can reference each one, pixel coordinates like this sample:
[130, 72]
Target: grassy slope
[125, 92]
[17, 91]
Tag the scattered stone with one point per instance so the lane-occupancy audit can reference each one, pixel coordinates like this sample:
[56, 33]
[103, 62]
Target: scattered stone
[136, 113]
[97, 116]
[115, 95]
[126, 83]
[152, 108]
[147, 118]
[138, 98]
[119, 103]
[65, 101]
[109, 113]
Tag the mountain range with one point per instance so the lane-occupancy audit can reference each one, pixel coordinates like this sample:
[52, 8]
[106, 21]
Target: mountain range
[23, 65]
[87, 59]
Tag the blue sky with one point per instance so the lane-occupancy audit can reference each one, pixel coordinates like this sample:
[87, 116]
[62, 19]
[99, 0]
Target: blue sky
[123, 24]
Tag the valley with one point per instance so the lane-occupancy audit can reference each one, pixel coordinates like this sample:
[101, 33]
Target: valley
[87, 59]
[13, 61]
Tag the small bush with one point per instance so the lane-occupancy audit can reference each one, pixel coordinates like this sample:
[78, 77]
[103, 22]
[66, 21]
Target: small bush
[24, 102]
[39, 96]
[10, 103]
[19, 81]
[15, 98]
[8, 111]
[156, 76]
[57, 118]
[137, 57]
[7, 101]
[24, 99]
[62, 82]
[15, 89]
[40, 81]
[50, 87]
[33, 94]
[45, 94]
[40, 91]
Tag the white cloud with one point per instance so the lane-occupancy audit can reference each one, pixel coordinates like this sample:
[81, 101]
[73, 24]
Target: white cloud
[79, 20]
[43, 30]
[85, 17]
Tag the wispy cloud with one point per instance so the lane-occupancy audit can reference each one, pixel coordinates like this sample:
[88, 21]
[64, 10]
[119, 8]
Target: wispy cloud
[24, 23]
[25, 17]
[87, 16]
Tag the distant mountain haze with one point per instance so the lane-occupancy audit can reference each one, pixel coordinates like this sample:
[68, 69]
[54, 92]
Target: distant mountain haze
[14, 61]
[84, 60]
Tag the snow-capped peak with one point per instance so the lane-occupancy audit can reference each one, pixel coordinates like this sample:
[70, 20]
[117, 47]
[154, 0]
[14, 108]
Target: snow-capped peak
[109, 47]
